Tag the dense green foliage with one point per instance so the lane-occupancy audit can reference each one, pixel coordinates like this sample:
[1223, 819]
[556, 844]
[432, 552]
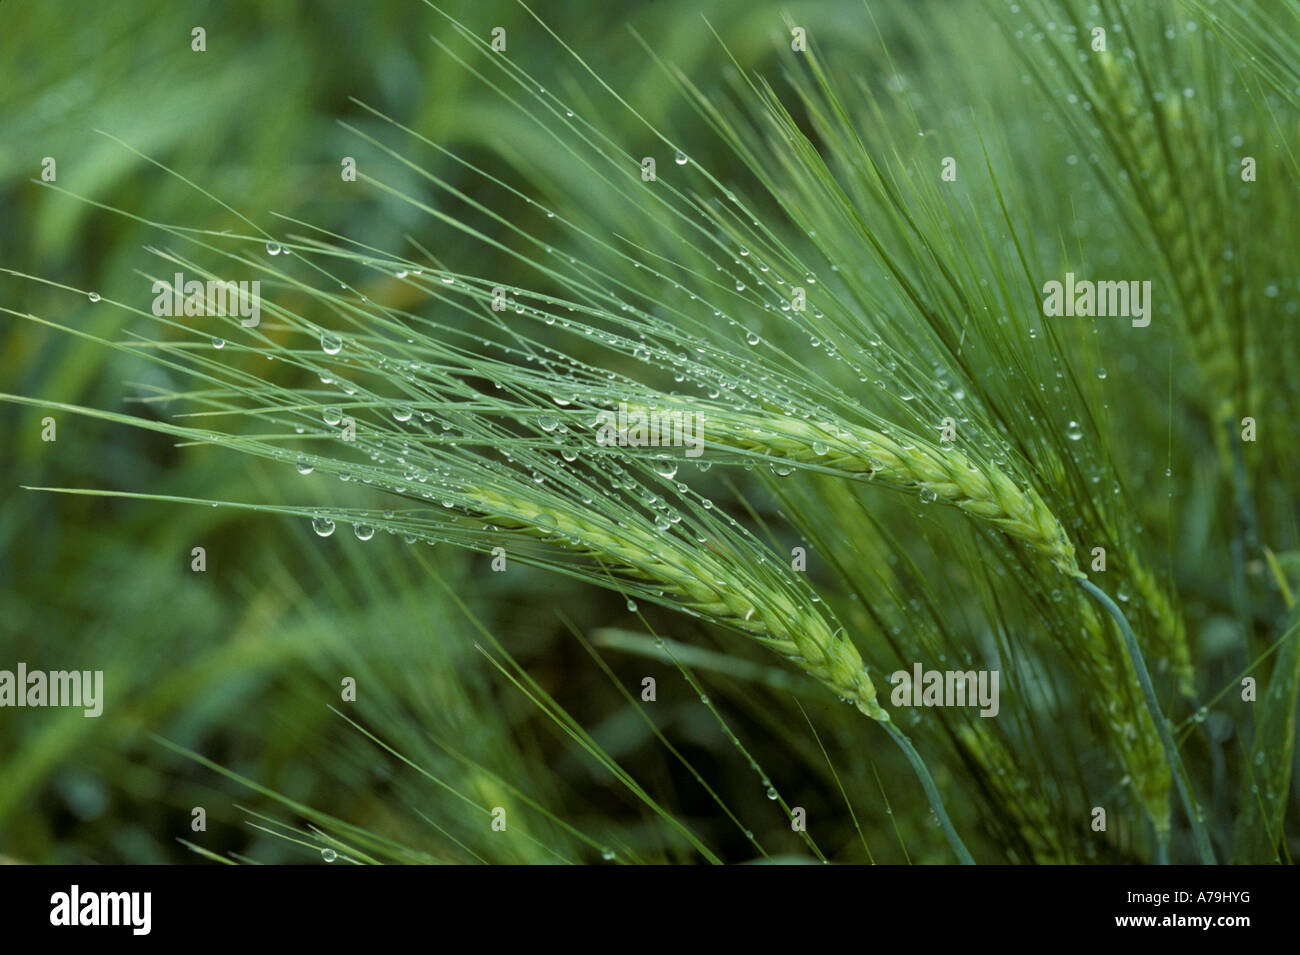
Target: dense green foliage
[949, 457]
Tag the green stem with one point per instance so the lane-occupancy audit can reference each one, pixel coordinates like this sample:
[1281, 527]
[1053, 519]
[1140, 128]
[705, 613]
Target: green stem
[931, 792]
[1244, 542]
[1162, 845]
[1203, 846]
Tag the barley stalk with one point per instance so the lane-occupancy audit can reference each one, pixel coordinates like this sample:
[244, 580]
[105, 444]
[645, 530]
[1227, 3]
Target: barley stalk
[1128, 723]
[1161, 724]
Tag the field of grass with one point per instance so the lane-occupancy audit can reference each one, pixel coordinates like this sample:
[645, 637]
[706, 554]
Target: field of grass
[662, 432]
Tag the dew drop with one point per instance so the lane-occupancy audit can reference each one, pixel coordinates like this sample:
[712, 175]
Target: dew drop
[273, 248]
[363, 531]
[680, 158]
[666, 467]
[323, 526]
[304, 467]
[218, 343]
[328, 854]
[94, 296]
[332, 416]
[330, 344]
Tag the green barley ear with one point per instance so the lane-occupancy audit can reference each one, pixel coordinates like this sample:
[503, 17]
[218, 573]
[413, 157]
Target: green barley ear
[1165, 630]
[948, 475]
[907, 463]
[701, 580]
[711, 583]
[1034, 819]
[1182, 219]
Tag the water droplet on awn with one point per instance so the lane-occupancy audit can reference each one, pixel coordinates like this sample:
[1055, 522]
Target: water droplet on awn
[666, 467]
